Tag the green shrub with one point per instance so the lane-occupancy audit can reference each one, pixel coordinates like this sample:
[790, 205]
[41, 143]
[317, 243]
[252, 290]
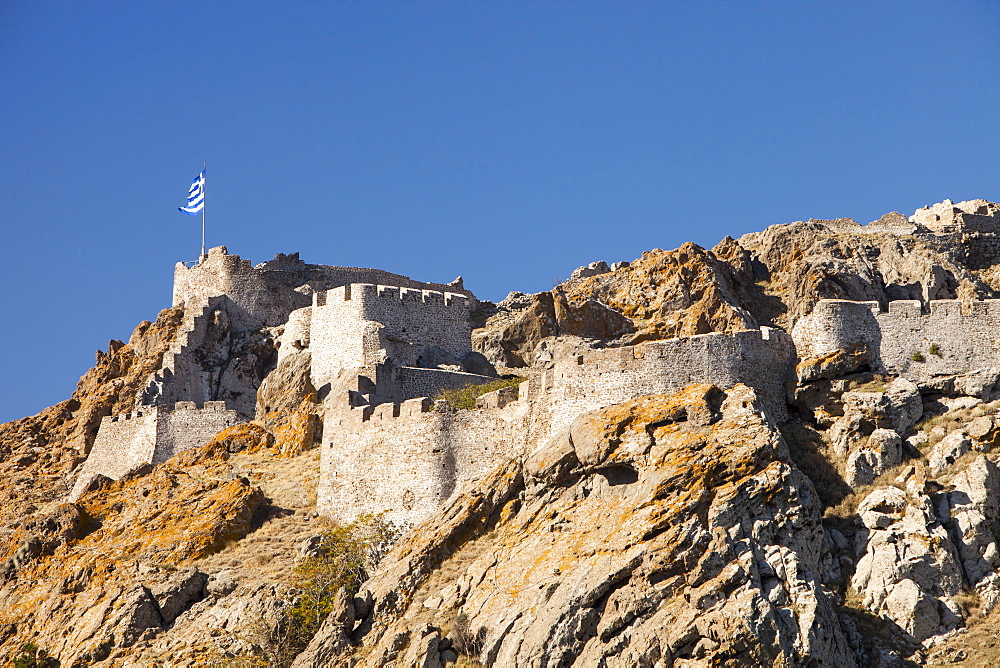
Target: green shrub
[344, 558]
[465, 398]
[918, 357]
[935, 350]
[31, 656]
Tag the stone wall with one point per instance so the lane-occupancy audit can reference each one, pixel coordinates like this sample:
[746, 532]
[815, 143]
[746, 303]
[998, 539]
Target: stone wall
[361, 325]
[123, 444]
[977, 215]
[188, 426]
[948, 340]
[835, 324]
[374, 457]
[198, 366]
[416, 382]
[406, 459]
[151, 435]
[265, 294]
[582, 379]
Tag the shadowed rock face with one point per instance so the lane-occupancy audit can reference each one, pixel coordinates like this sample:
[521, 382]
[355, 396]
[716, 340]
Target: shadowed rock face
[665, 528]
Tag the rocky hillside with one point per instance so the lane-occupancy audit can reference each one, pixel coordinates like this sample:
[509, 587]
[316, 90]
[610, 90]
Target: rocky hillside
[671, 530]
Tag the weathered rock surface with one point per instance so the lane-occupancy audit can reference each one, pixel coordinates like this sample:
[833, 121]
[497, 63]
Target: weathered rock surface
[909, 571]
[640, 536]
[883, 451]
[661, 295]
[287, 404]
[669, 530]
[38, 454]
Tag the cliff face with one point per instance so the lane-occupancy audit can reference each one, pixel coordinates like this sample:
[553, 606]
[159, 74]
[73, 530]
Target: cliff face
[641, 536]
[772, 277]
[675, 530]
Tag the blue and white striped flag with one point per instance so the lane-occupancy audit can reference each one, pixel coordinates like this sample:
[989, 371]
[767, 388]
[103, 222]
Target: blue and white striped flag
[196, 196]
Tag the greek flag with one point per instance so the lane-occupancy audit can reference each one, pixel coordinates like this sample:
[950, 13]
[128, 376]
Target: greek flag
[196, 196]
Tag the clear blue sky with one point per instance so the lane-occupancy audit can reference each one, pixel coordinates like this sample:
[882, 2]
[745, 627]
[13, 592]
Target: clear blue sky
[508, 142]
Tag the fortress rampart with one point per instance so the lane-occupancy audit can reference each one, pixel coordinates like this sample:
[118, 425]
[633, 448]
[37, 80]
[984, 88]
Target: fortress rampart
[150, 435]
[945, 340]
[362, 325]
[405, 459]
[196, 367]
[265, 294]
[582, 379]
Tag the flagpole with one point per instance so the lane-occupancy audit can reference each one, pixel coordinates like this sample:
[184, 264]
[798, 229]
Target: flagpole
[204, 187]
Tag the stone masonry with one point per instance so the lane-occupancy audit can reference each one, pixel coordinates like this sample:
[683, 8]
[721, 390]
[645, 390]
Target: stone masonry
[224, 295]
[944, 340]
[405, 459]
[361, 325]
[381, 343]
[264, 295]
[152, 435]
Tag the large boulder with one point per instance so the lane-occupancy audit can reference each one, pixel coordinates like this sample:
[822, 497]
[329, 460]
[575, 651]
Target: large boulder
[909, 571]
[948, 451]
[883, 451]
[974, 508]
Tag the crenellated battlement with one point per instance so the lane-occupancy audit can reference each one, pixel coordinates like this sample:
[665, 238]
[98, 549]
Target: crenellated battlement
[267, 293]
[907, 308]
[977, 215]
[406, 458]
[361, 325]
[151, 435]
[151, 411]
[364, 294]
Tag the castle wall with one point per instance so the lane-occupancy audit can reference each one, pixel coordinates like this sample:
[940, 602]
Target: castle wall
[297, 333]
[259, 296]
[184, 375]
[123, 444]
[405, 460]
[585, 379]
[835, 324]
[362, 325]
[267, 293]
[151, 435]
[962, 342]
[188, 426]
[417, 382]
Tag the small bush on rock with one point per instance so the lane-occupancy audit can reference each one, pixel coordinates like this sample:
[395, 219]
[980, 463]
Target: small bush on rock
[31, 656]
[344, 558]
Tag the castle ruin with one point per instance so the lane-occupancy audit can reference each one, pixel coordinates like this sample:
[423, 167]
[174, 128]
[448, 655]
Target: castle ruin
[381, 344]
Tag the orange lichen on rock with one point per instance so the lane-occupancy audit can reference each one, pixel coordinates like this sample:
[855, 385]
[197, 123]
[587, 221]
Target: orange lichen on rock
[661, 295]
[640, 522]
[38, 453]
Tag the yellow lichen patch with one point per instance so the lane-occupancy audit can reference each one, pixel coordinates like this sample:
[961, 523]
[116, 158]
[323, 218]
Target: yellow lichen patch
[296, 432]
[44, 449]
[185, 512]
[247, 437]
[833, 363]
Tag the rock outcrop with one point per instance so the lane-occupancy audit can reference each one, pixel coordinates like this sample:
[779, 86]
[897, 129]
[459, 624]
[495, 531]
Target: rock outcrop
[674, 530]
[639, 537]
